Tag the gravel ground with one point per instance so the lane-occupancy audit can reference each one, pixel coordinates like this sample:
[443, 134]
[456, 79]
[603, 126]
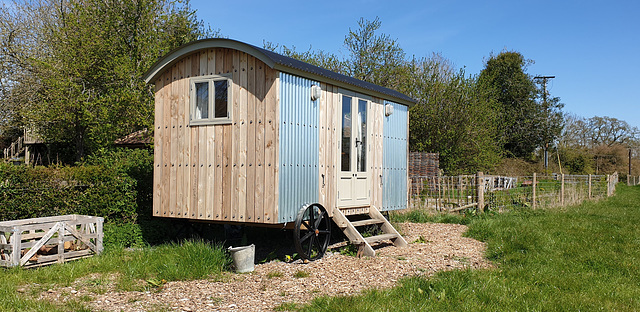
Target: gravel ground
[275, 282]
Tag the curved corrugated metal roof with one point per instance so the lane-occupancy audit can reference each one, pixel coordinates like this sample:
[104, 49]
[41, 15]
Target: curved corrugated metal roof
[281, 63]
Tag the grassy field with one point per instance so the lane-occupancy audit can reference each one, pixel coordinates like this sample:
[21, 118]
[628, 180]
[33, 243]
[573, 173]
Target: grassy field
[121, 269]
[580, 258]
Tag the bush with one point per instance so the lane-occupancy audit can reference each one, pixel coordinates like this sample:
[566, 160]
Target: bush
[114, 184]
[28, 192]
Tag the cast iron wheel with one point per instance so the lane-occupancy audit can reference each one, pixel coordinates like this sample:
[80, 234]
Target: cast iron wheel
[312, 232]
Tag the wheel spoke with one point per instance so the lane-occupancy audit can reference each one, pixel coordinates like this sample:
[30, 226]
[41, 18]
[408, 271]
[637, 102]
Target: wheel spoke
[324, 232]
[306, 236]
[318, 244]
[320, 218]
[306, 224]
[311, 243]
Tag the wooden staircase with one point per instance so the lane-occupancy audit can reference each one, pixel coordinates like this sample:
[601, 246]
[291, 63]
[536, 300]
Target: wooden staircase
[363, 217]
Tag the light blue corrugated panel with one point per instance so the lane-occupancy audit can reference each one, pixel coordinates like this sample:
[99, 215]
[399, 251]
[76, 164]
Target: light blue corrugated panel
[299, 146]
[394, 158]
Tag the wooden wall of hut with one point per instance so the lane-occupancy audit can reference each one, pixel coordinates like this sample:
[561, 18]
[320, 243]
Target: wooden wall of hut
[222, 172]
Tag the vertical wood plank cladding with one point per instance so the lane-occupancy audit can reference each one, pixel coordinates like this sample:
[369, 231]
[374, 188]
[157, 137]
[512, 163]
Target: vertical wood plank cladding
[235, 135]
[202, 173]
[210, 152]
[157, 148]
[331, 149]
[275, 101]
[322, 148]
[166, 144]
[173, 188]
[227, 195]
[188, 212]
[377, 133]
[180, 126]
[197, 68]
[217, 185]
[271, 139]
[210, 168]
[251, 139]
[220, 192]
[261, 102]
[223, 172]
[242, 142]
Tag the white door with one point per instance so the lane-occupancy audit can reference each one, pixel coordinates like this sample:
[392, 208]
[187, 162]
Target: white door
[353, 184]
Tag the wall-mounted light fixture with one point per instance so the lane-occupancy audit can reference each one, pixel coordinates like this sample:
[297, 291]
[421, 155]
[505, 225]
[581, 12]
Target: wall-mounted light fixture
[316, 92]
[388, 110]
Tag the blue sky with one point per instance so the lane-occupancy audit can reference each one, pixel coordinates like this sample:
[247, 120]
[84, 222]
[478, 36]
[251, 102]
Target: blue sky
[592, 47]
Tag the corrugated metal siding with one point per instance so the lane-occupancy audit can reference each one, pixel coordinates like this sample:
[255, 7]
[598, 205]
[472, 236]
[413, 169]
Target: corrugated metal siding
[299, 146]
[394, 158]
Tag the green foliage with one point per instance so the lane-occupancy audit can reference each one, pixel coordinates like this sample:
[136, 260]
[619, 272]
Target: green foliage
[86, 90]
[583, 258]
[422, 216]
[116, 184]
[376, 58]
[451, 118]
[28, 192]
[349, 250]
[576, 161]
[524, 123]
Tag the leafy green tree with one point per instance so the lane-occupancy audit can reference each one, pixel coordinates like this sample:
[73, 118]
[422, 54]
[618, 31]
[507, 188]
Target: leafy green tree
[86, 90]
[525, 123]
[451, 117]
[376, 58]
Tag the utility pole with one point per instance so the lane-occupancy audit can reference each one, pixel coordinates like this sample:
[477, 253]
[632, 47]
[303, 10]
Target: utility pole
[544, 98]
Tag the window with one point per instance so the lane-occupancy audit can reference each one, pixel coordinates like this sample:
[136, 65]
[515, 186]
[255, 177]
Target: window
[210, 99]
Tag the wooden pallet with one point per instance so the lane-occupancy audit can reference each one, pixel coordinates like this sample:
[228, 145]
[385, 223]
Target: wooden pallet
[43, 241]
[367, 217]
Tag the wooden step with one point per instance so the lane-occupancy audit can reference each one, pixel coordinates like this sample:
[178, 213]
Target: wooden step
[366, 222]
[380, 238]
[354, 211]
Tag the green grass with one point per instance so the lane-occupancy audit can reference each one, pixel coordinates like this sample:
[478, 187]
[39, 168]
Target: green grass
[580, 258]
[120, 268]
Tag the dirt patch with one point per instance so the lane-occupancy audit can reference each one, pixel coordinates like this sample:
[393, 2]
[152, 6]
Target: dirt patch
[433, 247]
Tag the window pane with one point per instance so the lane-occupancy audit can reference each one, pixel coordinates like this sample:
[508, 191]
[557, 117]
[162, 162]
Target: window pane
[221, 99]
[202, 100]
[346, 133]
[361, 143]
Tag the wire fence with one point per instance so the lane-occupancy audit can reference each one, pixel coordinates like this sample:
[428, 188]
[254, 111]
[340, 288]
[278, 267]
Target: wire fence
[498, 193]
[633, 180]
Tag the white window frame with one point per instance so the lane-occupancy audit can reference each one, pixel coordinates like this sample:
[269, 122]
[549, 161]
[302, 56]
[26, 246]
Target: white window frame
[211, 79]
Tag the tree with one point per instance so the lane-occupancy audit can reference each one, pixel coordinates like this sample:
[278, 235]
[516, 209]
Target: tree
[525, 124]
[374, 58]
[581, 132]
[84, 87]
[451, 117]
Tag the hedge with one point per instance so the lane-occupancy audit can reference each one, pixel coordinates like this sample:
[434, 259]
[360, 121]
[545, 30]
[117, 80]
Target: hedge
[114, 184]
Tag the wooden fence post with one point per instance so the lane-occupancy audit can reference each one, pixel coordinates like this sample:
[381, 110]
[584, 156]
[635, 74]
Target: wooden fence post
[589, 186]
[480, 191]
[562, 190]
[534, 184]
